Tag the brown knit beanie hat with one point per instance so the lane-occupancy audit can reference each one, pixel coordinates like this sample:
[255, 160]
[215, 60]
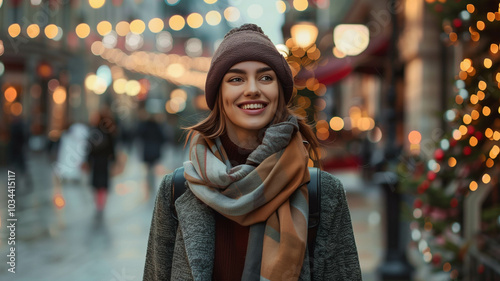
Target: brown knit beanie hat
[246, 43]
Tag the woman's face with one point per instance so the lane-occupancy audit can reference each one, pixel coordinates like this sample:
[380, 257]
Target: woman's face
[250, 93]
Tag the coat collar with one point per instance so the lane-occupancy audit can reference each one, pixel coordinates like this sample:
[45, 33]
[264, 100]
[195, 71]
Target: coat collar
[197, 224]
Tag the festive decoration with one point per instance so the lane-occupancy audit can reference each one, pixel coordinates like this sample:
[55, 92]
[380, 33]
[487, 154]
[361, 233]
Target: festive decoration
[457, 205]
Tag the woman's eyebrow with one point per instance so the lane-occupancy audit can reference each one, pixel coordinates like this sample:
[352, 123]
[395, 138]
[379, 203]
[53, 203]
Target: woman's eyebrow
[241, 71]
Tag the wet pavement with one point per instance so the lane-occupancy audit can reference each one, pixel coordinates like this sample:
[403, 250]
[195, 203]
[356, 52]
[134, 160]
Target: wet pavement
[72, 242]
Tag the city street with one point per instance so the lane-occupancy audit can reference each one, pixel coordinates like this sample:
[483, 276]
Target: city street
[72, 243]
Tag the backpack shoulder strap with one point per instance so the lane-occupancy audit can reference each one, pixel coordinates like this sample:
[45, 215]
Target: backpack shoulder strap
[314, 189]
[178, 188]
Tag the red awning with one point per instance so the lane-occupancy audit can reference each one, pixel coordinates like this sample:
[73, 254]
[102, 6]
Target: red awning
[337, 69]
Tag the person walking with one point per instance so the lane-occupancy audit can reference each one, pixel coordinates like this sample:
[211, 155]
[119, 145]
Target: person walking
[244, 213]
[152, 139]
[101, 156]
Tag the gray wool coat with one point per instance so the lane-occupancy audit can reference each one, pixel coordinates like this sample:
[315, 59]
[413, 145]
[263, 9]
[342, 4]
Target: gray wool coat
[184, 250]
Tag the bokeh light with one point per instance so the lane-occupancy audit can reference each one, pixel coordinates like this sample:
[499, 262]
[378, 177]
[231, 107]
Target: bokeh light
[104, 27]
[213, 18]
[82, 30]
[176, 22]
[14, 30]
[195, 20]
[33, 30]
[156, 25]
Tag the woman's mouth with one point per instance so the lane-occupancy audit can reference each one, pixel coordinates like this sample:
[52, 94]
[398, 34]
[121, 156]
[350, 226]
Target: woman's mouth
[253, 108]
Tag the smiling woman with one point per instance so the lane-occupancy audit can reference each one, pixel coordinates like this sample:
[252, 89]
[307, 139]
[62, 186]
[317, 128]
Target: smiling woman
[245, 211]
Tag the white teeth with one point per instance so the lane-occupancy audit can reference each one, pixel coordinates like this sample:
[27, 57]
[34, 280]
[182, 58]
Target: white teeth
[253, 106]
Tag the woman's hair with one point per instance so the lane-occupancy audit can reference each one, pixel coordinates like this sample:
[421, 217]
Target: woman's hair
[214, 125]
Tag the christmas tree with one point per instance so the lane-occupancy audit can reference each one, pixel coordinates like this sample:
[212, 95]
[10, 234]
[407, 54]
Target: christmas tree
[456, 210]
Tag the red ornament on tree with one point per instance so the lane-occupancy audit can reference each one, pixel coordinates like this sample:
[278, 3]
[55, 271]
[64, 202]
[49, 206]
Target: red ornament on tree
[439, 154]
[467, 150]
[478, 135]
[436, 259]
[431, 175]
[453, 142]
[470, 130]
[417, 203]
[457, 23]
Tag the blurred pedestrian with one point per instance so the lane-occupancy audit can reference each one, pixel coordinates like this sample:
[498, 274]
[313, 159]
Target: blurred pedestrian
[16, 147]
[152, 138]
[101, 155]
[245, 212]
[72, 152]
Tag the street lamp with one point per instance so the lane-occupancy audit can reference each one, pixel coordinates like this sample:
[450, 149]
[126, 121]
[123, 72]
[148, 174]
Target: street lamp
[351, 39]
[304, 34]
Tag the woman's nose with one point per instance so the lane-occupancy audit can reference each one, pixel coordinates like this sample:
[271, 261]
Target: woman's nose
[252, 88]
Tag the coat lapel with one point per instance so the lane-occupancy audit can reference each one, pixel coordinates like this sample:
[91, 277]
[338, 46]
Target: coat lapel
[198, 230]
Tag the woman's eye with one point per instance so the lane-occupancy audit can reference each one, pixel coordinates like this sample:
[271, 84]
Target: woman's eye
[235, 79]
[266, 78]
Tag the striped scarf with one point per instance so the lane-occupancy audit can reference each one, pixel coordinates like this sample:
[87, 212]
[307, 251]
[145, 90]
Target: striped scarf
[271, 198]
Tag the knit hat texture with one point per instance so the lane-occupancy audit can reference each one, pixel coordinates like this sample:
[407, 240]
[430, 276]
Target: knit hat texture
[246, 43]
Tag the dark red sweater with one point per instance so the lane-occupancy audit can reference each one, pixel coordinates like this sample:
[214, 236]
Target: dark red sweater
[230, 238]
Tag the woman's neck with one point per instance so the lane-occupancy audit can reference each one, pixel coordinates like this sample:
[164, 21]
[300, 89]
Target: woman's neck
[244, 138]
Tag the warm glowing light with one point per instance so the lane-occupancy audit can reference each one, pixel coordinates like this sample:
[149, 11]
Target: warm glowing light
[304, 34]
[300, 5]
[452, 162]
[351, 39]
[473, 141]
[486, 111]
[482, 85]
[59, 95]
[446, 267]
[480, 95]
[491, 16]
[463, 129]
[467, 119]
[453, 36]
[16, 109]
[137, 26]
[132, 88]
[51, 31]
[96, 4]
[213, 18]
[336, 123]
[475, 114]
[156, 25]
[496, 135]
[10, 94]
[122, 28]
[488, 133]
[104, 27]
[59, 201]
[176, 22]
[457, 134]
[465, 64]
[281, 6]
[195, 20]
[14, 30]
[473, 186]
[462, 75]
[210, 1]
[82, 30]
[494, 151]
[486, 178]
[414, 137]
[487, 63]
[33, 30]
[470, 8]
[119, 86]
[475, 36]
[490, 163]
[232, 14]
[480, 25]
[474, 99]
